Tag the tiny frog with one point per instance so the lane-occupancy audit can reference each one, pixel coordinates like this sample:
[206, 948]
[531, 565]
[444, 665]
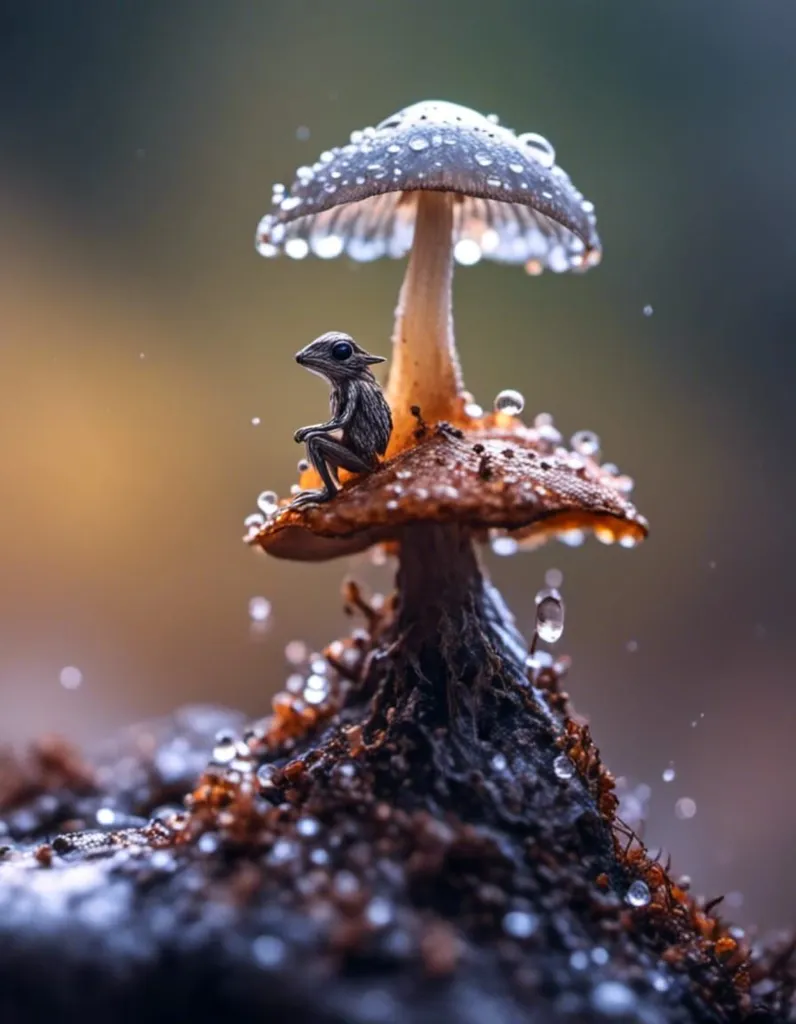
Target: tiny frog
[359, 412]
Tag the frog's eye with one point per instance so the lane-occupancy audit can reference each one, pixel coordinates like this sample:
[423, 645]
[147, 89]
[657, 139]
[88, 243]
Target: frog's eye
[342, 350]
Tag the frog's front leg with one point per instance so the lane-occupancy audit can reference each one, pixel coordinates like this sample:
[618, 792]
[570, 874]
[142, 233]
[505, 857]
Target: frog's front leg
[327, 455]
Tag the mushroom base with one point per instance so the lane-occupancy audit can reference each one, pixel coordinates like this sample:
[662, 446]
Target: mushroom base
[370, 863]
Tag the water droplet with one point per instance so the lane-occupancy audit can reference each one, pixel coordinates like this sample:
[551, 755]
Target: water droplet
[473, 409]
[393, 148]
[256, 421]
[268, 502]
[379, 912]
[308, 827]
[586, 442]
[494, 182]
[268, 950]
[328, 247]
[549, 615]
[302, 133]
[517, 168]
[520, 924]
[579, 960]
[291, 203]
[563, 767]
[305, 174]
[418, 143]
[499, 763]
[534, 267]
[326, 157]
[648, 311]
[490, 240]
[613, 999]
[572, 538]
[483, 159]
[539, 148]
[225, 748]
[599, 956]
[296, 248]
[631, 646]
[554, 578]
[259, 609]
[330, 187]
[638, 894]
[510, 402]
[70, 677]
[668, 775]
[504, 546]
[106, 816]
[685, 808]
[660, 982]
[467, 252]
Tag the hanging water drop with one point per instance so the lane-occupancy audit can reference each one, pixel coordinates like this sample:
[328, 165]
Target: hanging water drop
[510, 402]
[549, 615]
[638, 894]
[648, 311]
[668, 775]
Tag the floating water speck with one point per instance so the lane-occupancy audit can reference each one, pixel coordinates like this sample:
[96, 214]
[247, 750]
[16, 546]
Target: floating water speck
[256, 421]
[579, 960]
[563, 767]
[499, 763]
[631, 646]
[648, 311]
[268, 503]
[259, 609]
[106, 816]
[638, 894]
[554, 578]
[549, 615]
[302, 133]
[70, 677]
[685, 808]
[510, 402]
[520, 924]
[296, 652]
[668, 775]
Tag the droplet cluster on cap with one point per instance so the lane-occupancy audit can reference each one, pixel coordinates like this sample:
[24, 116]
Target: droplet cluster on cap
[493, 479]
[514, 204]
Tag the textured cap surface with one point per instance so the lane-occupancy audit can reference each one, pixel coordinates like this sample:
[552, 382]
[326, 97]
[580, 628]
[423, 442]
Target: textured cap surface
[513, 203]
[485, 480]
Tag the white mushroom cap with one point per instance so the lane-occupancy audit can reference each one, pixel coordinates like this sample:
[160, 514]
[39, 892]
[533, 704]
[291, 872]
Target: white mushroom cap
[513, 203]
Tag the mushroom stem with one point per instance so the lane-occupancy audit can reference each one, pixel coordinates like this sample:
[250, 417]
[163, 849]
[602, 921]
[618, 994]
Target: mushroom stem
[425, 368]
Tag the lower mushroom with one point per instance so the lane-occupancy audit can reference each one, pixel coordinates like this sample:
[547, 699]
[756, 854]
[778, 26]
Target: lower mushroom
[420, 831]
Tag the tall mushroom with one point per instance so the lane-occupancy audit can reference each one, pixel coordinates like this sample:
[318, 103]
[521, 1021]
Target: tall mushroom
[439, 181]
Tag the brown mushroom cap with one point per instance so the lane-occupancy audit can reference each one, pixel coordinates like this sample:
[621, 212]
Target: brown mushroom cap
[487, 479]
[515, 205]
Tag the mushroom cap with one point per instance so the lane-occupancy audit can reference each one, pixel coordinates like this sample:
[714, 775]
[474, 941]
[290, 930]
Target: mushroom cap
[488, 479]
[513, 203]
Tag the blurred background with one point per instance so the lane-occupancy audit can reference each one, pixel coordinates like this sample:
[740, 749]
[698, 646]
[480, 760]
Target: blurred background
[148, 391]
